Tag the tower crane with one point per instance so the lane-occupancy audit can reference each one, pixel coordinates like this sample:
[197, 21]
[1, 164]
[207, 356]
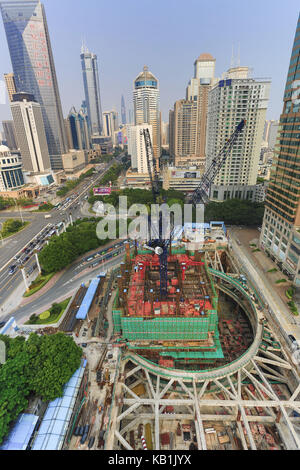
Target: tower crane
[159, 244]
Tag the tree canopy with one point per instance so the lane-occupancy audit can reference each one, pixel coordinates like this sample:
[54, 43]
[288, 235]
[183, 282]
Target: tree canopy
[41, 366]
[235, 212]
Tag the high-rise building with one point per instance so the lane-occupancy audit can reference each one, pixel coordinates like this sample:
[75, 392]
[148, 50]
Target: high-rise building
[270, 133]
[33, 66]
[123, 111]
[184, 132]
[10, 85]
[235, 98]
[91, 84]
[190, 115]
[146, 106]
[164, 134]
[77, 130]
[30, 133]
[137, 148]
[280, 236]
[10, 134]
[110, 123]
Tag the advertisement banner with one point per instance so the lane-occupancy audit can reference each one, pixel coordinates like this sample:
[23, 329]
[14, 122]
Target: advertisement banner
[101, 191]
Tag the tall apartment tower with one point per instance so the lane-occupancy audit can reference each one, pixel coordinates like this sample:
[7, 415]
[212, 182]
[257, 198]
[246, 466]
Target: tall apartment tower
[30, 133]
[280, 237]
[190, 116]
[123, 111]
[89, 64]
[77, 130]
[10, 85]
[184, 132]
[146, 101]
[10, 134]
[33, 66]
[235, 98]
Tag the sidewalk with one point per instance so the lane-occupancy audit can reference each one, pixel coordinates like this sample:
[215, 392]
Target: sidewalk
[259, 258]
[256, 271]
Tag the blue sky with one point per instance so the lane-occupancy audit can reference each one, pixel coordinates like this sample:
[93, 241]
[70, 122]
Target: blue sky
[167, 35]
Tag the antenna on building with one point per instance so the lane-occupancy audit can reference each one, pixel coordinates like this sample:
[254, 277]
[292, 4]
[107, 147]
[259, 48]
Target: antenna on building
[238, 62]
[232, 58]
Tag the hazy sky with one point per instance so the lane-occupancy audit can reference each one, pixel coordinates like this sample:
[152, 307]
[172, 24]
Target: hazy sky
[167, 35]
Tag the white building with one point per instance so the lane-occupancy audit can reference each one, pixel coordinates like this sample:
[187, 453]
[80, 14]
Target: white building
[11, 174]
[136, 147]
[146, 101]
[235, 98]
[30, 133]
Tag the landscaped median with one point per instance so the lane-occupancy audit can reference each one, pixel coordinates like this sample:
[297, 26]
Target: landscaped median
[38, 283]
[50, 316]
[11, 227]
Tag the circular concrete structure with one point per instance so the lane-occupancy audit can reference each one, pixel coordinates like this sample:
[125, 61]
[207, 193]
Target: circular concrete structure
[231, 287]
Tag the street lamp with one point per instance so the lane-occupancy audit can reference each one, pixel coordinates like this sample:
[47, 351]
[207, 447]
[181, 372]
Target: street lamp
[18, 207]
[1, 223]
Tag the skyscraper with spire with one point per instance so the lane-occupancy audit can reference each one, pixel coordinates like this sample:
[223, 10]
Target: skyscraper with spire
[33, 67]
[123, 111]
[91, 84]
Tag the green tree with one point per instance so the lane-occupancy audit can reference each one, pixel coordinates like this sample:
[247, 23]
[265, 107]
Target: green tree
[54, 360]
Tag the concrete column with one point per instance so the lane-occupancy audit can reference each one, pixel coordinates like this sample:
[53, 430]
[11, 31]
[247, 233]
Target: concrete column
[37, 261]
[24, 278]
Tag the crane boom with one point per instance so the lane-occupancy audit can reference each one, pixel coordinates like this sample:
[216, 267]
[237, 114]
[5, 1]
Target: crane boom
[201, 194]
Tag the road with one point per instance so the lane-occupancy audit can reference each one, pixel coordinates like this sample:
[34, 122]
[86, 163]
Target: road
[15, 244]
[67, 284]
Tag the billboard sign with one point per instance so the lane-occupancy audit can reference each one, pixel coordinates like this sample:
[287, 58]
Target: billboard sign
[102, 191]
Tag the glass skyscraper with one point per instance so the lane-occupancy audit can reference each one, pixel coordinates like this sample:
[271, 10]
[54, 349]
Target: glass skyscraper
[33, 66]
[90, 72]
[123, 111]
[280, 237]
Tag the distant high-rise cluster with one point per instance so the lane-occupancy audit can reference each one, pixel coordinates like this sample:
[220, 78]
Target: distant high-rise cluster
[77, 130]
[200, 124]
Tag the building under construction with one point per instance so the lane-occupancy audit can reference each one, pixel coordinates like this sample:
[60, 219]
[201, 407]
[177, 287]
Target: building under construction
[175, 332]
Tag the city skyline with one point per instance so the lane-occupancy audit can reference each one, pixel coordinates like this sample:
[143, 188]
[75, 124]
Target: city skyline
[275, 50]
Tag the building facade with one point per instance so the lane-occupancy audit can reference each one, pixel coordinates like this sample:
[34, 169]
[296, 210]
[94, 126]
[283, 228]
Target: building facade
[89, 64]
[146, 101]
[137, 148]
[10, 134]
[280, 236]
[33, 66]
[30, 133]
[10, 85]
[11, 174]
[230, 101]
